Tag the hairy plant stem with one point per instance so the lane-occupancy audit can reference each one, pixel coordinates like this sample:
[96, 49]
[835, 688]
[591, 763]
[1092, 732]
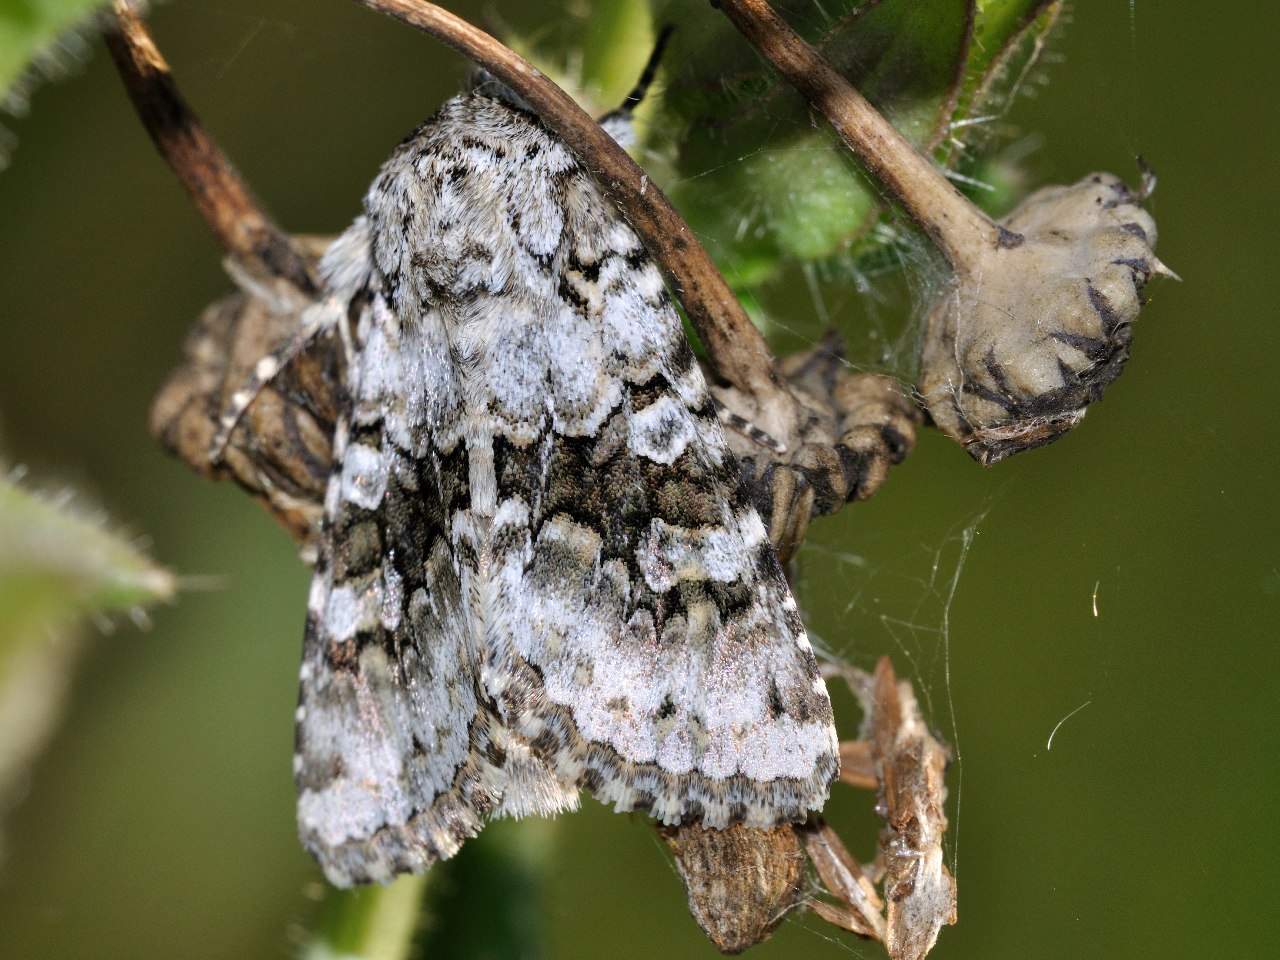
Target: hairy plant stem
[959, 229]
[368, 923]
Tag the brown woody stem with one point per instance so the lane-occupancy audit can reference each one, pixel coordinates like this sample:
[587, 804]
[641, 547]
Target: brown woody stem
[738, 350]
[959, 229]
[240, 223]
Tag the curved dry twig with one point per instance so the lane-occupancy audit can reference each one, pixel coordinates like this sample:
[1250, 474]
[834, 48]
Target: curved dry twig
[238, 220]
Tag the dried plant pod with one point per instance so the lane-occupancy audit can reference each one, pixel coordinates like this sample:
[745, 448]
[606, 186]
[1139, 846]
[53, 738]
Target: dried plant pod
[739, 882]
[1032, 331]
[1037, 320]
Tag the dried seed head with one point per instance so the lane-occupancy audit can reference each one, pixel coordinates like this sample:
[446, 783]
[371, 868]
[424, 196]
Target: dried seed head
[1035, 327]
[740, 882]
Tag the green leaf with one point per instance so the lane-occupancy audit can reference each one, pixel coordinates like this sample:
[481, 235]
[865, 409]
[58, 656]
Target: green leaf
[764, 182]
[595, 51]
[1009, 36]
[30, 30]
[58, 567]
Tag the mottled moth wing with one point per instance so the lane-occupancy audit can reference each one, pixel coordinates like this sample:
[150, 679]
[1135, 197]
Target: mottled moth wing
[538, 571]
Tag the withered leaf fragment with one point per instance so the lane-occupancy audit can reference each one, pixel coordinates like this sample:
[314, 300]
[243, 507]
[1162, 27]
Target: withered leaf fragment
[906, 765]
[859, 910]
[918, 888]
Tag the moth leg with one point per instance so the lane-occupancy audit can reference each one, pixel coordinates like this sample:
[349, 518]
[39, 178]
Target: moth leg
[739, 424]
[857, 426]
[320, 318]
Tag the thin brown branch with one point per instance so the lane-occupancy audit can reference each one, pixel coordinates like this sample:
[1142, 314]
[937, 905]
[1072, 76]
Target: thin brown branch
[736, 347]
[241, 225]
[960, 230]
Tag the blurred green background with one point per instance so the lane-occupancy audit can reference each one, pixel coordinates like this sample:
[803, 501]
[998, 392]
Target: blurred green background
[160, 821]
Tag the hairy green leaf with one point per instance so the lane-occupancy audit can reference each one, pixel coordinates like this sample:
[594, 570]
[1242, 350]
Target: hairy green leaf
[31, 33]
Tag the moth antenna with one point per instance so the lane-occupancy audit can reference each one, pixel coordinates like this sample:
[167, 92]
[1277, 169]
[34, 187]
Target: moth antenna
[617, 122]
[650, 71]
[223, 199]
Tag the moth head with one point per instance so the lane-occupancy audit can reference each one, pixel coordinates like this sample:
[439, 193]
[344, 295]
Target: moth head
[484, 83]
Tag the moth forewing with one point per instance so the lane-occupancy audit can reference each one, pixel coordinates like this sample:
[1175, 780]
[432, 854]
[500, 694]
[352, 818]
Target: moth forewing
[538, 571]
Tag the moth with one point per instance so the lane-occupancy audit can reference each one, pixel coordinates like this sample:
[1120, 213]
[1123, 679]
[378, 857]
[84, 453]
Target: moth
[438, 707]
[538, 572]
